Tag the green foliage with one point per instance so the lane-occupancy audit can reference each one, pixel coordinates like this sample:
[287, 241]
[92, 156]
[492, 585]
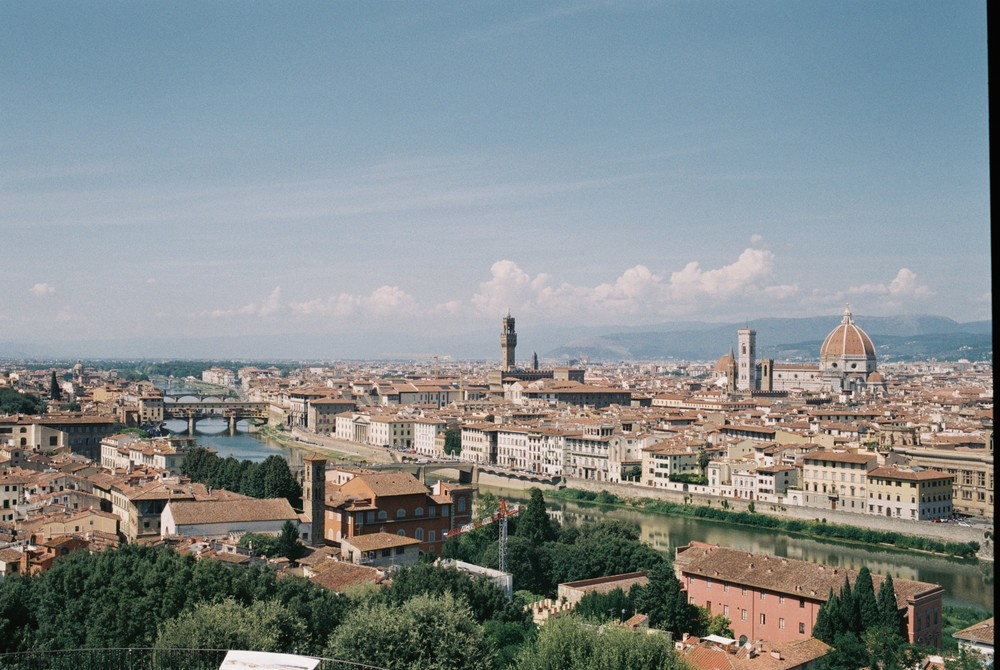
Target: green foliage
[633, 473]
[120, 598]
[288, 543]
[55, 391]
[533, 522]
[259, 626]
[453, 441]
[14, 402]
[602, 607]
[866, 609]
[567, 643]
[426, 632]
[270, 478]
[665, 603]
[688, 478]
[954, 619]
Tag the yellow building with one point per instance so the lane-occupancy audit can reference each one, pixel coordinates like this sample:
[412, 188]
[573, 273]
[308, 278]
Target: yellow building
[916, 494]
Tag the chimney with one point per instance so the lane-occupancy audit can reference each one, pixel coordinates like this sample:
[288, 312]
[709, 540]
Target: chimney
[776, 654]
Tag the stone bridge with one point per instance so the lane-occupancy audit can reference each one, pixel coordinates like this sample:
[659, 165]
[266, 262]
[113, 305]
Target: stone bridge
[193, 408]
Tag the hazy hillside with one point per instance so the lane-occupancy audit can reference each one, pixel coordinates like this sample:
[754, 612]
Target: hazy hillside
[895, 338]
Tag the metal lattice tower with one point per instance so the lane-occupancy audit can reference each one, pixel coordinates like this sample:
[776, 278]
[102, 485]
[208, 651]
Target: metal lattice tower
[503, 535]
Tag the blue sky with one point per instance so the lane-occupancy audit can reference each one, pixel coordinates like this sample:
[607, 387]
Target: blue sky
[192, 169]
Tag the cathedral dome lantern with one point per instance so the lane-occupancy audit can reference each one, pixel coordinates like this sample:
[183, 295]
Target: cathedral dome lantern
[847, 350]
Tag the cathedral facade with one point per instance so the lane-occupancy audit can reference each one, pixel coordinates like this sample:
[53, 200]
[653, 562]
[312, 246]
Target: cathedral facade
[847, 364]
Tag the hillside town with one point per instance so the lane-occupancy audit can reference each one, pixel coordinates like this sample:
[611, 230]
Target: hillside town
[906, 447]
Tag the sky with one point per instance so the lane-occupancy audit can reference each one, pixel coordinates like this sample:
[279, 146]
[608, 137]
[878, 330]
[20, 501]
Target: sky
[214, 169]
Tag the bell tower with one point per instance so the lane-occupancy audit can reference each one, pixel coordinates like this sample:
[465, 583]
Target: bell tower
[314, 498]
[747, 379]
[508, 342]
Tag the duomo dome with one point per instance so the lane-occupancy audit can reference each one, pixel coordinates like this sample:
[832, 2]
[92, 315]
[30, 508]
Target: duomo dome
[847, 349]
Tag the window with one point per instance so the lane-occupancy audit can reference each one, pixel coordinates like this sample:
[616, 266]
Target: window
[802, 628]
[725, 610]
[725, 588]
[781, 600]
[762, 594]
[400, 513]
[382, 515]
[401, 533]
[419, 534]
[743, 615]
[781, 624]
[744, 591]
[432, 536]
[763, 619]
[802, 603]
[461, 504]
[419, 511]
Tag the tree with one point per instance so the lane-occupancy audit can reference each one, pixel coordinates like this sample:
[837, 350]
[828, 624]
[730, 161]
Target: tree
[288, 543]
[14, 402]
[848, 653]
[55, 391]
[453, 441]
[259, 626]
[533, 522]
[865, 603]
[567, 643]
[665, 602]
[887, 607]
[703, 460]
[823, 628]
[427, 632]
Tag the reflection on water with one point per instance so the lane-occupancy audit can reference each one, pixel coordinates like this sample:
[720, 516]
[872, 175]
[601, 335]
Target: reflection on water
[965, 583]
[242, 445]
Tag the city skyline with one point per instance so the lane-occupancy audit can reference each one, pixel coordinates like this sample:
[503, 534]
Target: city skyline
[194, 170]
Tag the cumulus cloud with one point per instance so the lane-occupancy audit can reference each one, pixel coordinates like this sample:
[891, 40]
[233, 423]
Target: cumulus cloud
[384, 301]
[904, 285]
[269, 306]
[638, 291]
[42, 289]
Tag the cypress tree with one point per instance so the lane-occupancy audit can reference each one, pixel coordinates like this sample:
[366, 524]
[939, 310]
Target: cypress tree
[888, 610]
[823, 627]
[866, 605]
[846, 621]
[533, 523]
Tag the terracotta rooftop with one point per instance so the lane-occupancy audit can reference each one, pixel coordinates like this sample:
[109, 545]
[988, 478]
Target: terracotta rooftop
[780, 575]
[978, 632]
[230, 511]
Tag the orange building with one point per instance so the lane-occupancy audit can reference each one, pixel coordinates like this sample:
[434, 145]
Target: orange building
[777, 599]
[396, 502]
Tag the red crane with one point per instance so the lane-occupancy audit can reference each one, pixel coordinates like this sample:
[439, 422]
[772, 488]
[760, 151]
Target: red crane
[500, 515]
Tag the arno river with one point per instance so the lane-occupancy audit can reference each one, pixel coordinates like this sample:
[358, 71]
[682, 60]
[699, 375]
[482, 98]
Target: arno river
[965, 583]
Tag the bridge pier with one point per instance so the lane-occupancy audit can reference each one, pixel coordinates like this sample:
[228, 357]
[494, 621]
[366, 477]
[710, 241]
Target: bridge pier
[191, 422]
[232, 424]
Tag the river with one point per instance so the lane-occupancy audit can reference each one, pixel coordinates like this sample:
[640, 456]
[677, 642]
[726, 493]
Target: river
[966, 583]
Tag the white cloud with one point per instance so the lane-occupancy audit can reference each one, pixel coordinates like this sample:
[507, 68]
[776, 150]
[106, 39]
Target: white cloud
[904, 285]
[270, 306]
[637, 292]
[42, 289]
[383, 301]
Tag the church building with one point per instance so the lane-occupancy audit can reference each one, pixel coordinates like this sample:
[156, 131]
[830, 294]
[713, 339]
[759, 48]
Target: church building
[846, 364]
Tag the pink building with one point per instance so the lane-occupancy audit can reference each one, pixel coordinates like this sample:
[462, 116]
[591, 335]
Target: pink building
[777, 599]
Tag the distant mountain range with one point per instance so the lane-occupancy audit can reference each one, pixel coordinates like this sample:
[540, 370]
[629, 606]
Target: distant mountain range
[898, 338]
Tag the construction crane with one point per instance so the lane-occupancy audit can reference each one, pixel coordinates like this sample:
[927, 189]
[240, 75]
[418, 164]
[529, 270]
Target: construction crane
[500, 515]
[437, 358]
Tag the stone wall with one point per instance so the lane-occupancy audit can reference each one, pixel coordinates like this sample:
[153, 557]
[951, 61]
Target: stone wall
[948, 532]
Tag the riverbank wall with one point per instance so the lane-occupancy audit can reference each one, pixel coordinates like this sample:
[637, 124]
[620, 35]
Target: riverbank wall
[947, 532]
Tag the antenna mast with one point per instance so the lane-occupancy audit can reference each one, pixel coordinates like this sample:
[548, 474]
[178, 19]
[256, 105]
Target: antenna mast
[503, 535]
